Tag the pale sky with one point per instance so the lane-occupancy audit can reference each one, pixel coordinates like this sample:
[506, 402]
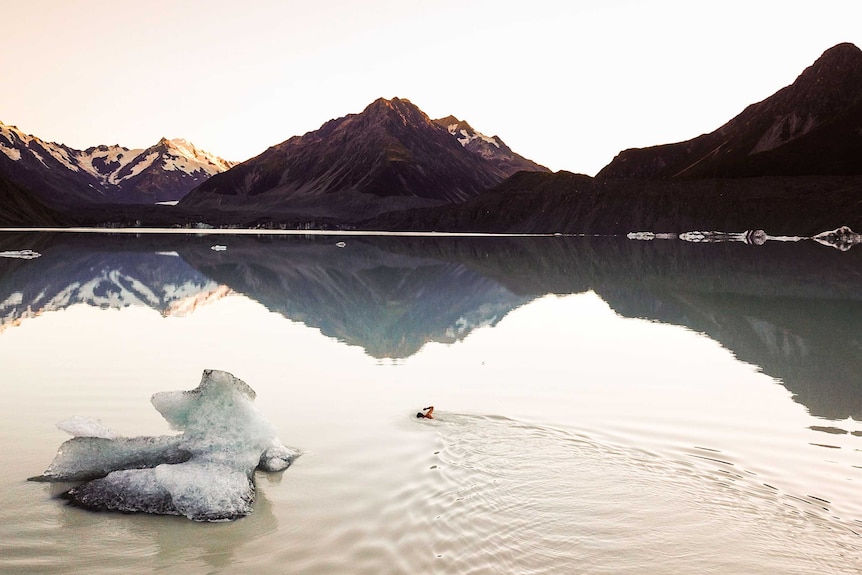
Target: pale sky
[567, 83]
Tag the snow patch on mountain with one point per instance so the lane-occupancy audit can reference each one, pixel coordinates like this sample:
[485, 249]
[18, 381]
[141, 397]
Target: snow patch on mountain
[13, 154]
[8, 147]
[106, 162]
[465, 133]
[140, 164]
[491, 148]
[466, 137]
[60, 153]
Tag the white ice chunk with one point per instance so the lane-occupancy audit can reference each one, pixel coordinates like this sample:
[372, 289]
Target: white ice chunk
[20, 254]
[205, 473]
[645, 236]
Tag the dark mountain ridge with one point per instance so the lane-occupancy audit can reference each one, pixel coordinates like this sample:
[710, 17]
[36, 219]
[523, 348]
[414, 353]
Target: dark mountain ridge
[811, 127]
[22, 208]
[563, 202]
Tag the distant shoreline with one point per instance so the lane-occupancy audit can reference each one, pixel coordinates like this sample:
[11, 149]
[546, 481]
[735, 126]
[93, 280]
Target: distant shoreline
[268, 232]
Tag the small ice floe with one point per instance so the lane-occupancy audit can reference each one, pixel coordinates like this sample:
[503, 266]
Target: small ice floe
[751, 237]
[340, 244]
[646, 236]
[842, 238]
[218, 248]
[205, 473]
[20, 254]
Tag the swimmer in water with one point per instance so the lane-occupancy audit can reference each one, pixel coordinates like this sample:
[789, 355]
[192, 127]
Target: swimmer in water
[426, 412]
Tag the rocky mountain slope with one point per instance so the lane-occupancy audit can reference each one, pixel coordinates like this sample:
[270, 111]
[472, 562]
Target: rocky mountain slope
[390, 156]
[64, 176]
[812, 127]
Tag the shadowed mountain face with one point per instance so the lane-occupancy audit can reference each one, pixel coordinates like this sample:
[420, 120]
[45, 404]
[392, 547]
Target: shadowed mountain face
[793, 309]
[22, 208]
[571, 203]
[389, 156]
[811, 127]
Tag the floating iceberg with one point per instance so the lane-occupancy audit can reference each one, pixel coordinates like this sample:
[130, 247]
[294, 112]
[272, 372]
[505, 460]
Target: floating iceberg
[750, 237]
[644, 236]
[206, 473]
[842, 238]
[20, 254]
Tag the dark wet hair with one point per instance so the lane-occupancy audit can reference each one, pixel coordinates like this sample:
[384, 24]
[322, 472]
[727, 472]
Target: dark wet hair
[420, 414]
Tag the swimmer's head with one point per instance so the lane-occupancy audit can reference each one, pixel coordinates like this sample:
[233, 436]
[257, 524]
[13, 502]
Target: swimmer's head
[420, 414]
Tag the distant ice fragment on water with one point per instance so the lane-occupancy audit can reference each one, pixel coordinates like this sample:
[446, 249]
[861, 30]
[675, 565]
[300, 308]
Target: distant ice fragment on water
[20, 254]
[842, 238]
[340, 244]
[751, 237]
[205, 473]
[646, 236]
[218, 248]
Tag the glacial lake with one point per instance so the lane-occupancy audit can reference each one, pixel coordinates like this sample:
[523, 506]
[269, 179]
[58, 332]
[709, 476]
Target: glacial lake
[603, 405]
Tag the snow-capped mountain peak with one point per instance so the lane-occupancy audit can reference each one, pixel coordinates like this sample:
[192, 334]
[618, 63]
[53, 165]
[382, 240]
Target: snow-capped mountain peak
[163, 172]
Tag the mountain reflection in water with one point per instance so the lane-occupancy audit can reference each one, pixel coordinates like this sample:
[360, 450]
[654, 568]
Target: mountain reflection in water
[790, 308]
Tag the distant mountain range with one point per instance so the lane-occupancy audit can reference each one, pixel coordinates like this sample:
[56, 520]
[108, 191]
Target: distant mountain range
[63, 176]
[790, 164]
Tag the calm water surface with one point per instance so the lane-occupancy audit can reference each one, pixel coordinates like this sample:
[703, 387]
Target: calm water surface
[605, 405]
